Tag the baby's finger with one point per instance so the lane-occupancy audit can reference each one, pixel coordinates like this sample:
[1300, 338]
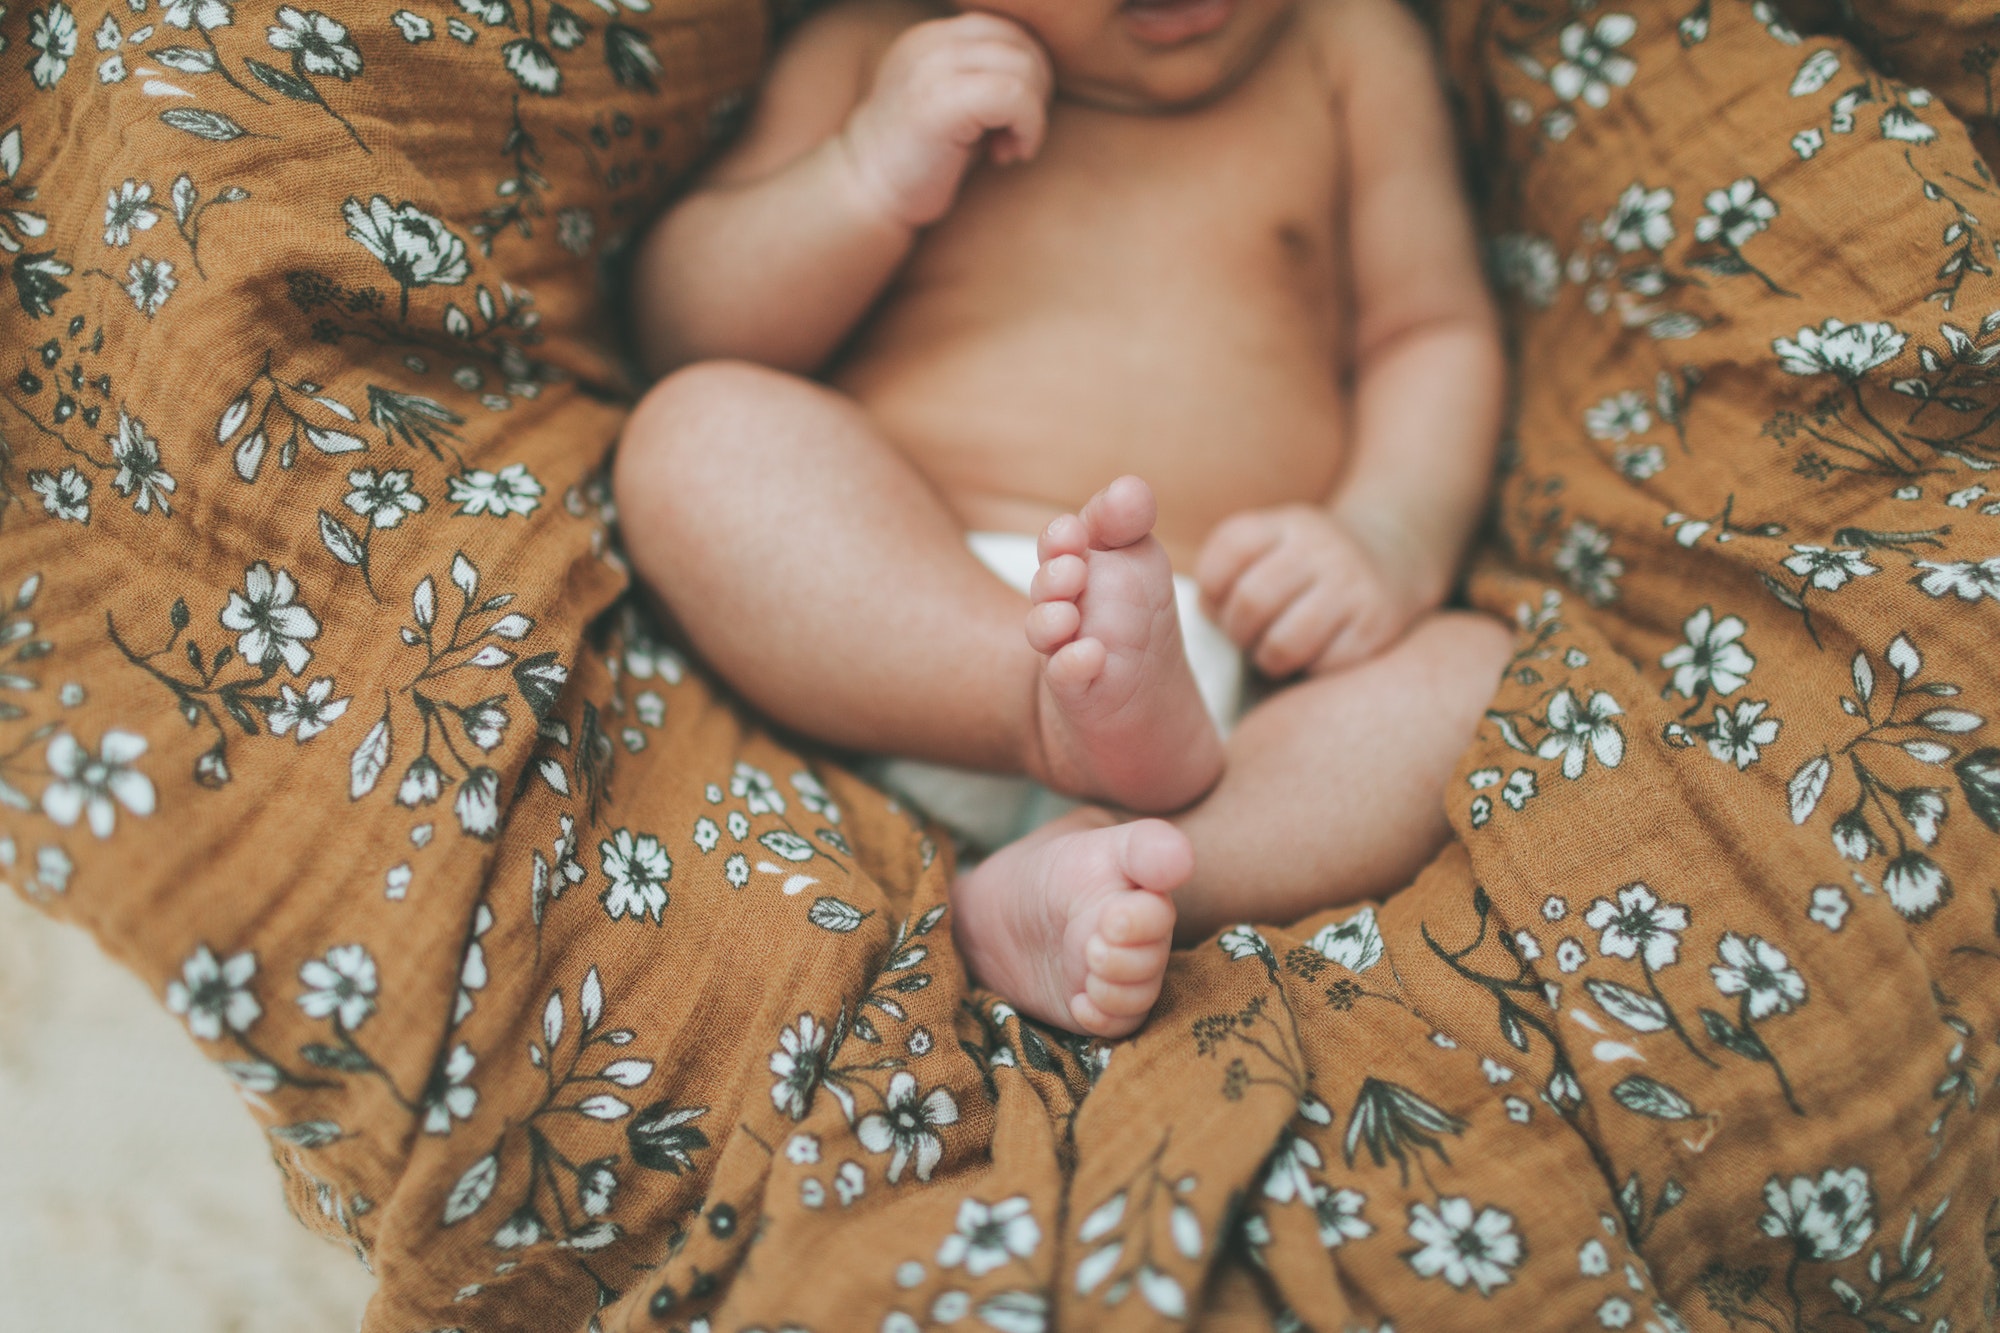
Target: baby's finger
[1362, 635]
[1232, 548]
[1301, 632]
[1256, 599]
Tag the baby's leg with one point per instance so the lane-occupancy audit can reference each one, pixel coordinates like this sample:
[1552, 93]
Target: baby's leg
[829, 584]
[1333, 791]
[1334, 788]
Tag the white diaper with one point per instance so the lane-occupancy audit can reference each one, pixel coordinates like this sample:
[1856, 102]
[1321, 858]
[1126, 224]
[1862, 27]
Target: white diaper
[989, 810]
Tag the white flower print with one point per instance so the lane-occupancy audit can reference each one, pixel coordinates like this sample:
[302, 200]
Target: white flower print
[1827, 1219]
[1615, 1312]
[414, 27]
[1737, 735]
[753, 786]
[1917, 886]
[511, 490]
[65, 495]
[1829, 906]
[1592, 64]
[1968, 581]
[1641, 219]
[1570, 954]
[52, 32]
[93, 786]
[449, 1097]
[1808, 142]
[1462, 1246]
[1838, 348]
[1584, 558]
[799, 1062]
[416, 248]
[342, 984]
[1591, 1259]
[1529, 265]
[320, 44]
[638, 868]
[532, 66]
[149, 282]
[907, 1125]
[802, 1149]
[1638, 925]
[384, 499]
[575, 227]
[1355, 943]
[736, 870]
[988, 1236]
[1828, 569]
[270, 624]
[204, 14]
[310, 713]
[1577, 731]
[1621, 415]
[1757, 969]
[1339, 1215]
[1711, 658]
[129, 208]
[1243, 942]
[566, 31]
[1640, 462]
[1735, 214]
[213, 995]
[139, 472]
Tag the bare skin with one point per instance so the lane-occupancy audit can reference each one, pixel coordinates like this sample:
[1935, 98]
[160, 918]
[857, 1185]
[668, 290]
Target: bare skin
[1013, 300]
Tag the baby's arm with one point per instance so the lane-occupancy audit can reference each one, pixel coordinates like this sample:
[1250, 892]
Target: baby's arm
[784, 244]
[1319, 587]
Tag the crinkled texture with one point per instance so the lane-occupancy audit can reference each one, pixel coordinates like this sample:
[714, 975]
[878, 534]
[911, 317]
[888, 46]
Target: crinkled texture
[568, 993]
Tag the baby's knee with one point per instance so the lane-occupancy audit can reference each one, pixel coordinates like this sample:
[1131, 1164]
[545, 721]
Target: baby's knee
[681, 430]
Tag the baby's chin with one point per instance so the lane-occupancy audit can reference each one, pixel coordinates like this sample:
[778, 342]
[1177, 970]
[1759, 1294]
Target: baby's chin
[1174, 54]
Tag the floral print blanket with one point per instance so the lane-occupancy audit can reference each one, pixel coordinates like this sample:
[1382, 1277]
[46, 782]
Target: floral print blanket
[572, 998]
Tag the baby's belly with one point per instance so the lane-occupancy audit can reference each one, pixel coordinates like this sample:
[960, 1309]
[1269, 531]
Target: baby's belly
[1016, 425]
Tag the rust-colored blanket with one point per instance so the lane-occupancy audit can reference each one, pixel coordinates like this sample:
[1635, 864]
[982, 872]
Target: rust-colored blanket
[572, 998]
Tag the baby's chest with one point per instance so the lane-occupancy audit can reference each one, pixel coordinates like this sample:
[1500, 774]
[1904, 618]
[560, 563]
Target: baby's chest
[1245, 192]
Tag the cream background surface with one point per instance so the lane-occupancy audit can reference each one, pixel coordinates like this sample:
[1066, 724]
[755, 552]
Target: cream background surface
[135, 1191]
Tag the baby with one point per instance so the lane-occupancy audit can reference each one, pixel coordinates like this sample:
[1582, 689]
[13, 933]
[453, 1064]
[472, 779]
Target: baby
[959, 270]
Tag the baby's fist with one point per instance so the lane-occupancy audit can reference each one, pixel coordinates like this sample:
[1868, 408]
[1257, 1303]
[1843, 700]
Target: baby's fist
[1298, 591]
[944, 88]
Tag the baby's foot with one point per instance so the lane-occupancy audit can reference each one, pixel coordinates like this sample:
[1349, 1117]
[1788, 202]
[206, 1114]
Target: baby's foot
[1073, 922]
[1121, 717]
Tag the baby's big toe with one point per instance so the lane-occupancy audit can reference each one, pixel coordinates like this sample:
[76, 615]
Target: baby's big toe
[1121, 513]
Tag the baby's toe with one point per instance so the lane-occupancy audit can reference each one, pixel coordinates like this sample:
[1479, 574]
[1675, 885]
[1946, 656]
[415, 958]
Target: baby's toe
[1137, 920]
[1125, 963]
[1065, 535]
[1121, 513]
[1074, 666]
[1119, 1000]
[1156, 856]
[1060, 579]
[1051, 625]
[1093, 1021]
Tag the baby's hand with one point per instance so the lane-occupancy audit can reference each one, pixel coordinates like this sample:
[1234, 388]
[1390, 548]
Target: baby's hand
[1298, 591]
[945, 87]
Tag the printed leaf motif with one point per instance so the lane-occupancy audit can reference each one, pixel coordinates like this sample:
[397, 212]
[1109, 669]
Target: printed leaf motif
[210, 125]
[1742, 1041]
[278, 81]
[308, 1133]
[345, 546]
[832, 914]
[1641, 1013]
[1650, 1097]
[186, 59]
[1806, 786]
[1819, 67]
[370, 758]
[473, 1189]
[1979, 778]
[661, 1138]
[788, 845]
[1163, 1292]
